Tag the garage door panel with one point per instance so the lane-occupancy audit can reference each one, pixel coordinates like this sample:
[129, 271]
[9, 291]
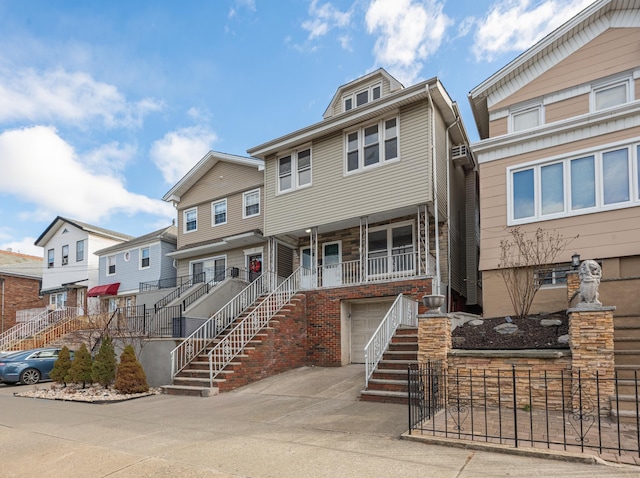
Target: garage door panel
[365, 318]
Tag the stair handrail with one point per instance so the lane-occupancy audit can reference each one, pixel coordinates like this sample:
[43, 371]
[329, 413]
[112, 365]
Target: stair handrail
[197, 342]
[403, 311]
[235, 341]
[175, 294]
[31, 328]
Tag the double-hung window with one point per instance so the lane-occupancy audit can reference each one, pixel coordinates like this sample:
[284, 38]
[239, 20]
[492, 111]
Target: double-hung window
[65, 255]
[251, 202]
[371, 145]
[191, 220]
[144, 258]
[111, 265]
[294, 170]
[391, 250]
[219, 212]
[592, 182]
[50, 258]
[80, 251]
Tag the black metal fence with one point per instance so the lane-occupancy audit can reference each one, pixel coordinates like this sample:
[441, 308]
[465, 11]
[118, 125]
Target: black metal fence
[563, 410]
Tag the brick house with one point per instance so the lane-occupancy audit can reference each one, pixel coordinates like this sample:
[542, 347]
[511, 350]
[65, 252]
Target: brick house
[20, 283]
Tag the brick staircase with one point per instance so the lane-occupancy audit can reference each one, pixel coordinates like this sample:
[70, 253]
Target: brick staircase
[388, 384]
[627, 364]
[276, 348]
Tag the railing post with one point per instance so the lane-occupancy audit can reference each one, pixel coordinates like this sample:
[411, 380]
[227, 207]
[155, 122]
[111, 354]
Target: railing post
[515, 404]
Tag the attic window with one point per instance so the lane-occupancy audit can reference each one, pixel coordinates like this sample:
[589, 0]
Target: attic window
[362, 97]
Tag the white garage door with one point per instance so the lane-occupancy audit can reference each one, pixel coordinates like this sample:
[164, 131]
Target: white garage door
[365, 318]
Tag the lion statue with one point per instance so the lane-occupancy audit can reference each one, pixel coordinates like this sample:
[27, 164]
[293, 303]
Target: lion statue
[590, 274]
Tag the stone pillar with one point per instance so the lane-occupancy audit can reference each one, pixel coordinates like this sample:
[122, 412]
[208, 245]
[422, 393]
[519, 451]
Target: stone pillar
[591, 342]
[573, 284]
[434, 337]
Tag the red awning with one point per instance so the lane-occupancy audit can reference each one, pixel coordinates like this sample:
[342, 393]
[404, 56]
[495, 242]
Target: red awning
[109, 289]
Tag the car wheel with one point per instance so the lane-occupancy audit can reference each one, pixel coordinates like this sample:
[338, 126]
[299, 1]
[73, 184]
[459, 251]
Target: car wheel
[30, 376]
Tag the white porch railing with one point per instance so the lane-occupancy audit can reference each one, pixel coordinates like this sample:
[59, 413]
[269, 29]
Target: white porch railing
[374, 269]
[24, 330]
[404, 311]
[197, 342]
[237, 339]
[30, 314]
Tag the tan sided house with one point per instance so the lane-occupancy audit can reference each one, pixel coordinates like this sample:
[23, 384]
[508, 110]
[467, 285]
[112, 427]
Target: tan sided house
[559, 150]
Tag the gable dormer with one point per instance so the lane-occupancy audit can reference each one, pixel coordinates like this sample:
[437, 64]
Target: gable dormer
[362, 91]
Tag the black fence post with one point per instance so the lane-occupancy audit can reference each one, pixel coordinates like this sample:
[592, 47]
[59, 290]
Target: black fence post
[515, 405]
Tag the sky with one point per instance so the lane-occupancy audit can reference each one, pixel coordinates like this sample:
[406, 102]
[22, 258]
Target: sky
[104, 106]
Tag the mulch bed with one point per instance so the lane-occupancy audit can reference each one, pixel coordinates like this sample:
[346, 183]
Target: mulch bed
[530, 334]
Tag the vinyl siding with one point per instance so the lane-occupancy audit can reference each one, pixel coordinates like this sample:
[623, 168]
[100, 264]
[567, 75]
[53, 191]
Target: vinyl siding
[228, 181]
[235, 258]
[386, 88]
[602, 234]
[499, 127]
[569, 108]
[614, 51]
[404, 182]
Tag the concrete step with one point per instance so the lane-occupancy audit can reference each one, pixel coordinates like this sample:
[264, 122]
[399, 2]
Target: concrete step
[396, 364]
[384, 397]
[626, 321]
[191, 391]
[627, 372]
[403, 347]
[626, 343]
[409, 355]
[389, 374]
[385, 385]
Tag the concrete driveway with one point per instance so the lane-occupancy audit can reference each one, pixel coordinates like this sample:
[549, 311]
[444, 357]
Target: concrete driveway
[306, 422]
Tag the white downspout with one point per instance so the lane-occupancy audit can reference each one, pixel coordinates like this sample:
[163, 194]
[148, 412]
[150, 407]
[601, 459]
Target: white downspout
[435, 189]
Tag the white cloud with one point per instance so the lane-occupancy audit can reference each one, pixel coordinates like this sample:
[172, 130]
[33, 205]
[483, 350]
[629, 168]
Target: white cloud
[178, 151]
[409, 31]
[324, 18]
[73, 98]
[515, 25]
[39, 167]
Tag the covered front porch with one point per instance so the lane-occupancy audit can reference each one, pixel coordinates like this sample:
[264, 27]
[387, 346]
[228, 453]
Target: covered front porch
[394, 245]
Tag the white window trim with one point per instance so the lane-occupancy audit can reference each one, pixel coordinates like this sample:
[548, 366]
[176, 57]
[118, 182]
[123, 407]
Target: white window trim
[611, 83]
[294, 170]
[140, 266]
[352, 96]
[213, 212]
[78, 249]
[381, 142]
[389, 228]
[523, 109]
[184, 217]
[51, 253]
[634, 186]
[555, 282]
[114, 265]
[212, 258]
[65, 259]
[244, 203]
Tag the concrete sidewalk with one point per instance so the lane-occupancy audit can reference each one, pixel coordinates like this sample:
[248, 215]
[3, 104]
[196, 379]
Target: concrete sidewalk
[306, 422]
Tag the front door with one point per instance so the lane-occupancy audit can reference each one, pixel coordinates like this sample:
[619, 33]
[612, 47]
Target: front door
[255, 266]
[331, 264]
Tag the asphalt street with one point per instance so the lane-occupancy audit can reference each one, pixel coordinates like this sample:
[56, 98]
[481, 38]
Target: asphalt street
[306, 422]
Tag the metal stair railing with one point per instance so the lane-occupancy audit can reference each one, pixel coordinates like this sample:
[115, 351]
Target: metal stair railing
[177, 293]
[20, 332]
[233, 343]
[197, 342]
[403, 311]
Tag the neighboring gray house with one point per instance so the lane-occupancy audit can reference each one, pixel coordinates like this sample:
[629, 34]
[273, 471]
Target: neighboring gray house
[141, 263]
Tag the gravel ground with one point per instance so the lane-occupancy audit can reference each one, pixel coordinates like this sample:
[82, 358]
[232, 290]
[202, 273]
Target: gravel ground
[92, 393]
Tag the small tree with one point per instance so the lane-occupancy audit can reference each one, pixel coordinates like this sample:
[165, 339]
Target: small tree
[80, 370]
[61, 366]
[103, 369]
[522, 259]
[130, 376]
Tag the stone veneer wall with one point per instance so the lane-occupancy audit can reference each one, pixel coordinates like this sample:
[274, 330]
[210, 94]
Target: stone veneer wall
[543, 377]
[324, 314]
